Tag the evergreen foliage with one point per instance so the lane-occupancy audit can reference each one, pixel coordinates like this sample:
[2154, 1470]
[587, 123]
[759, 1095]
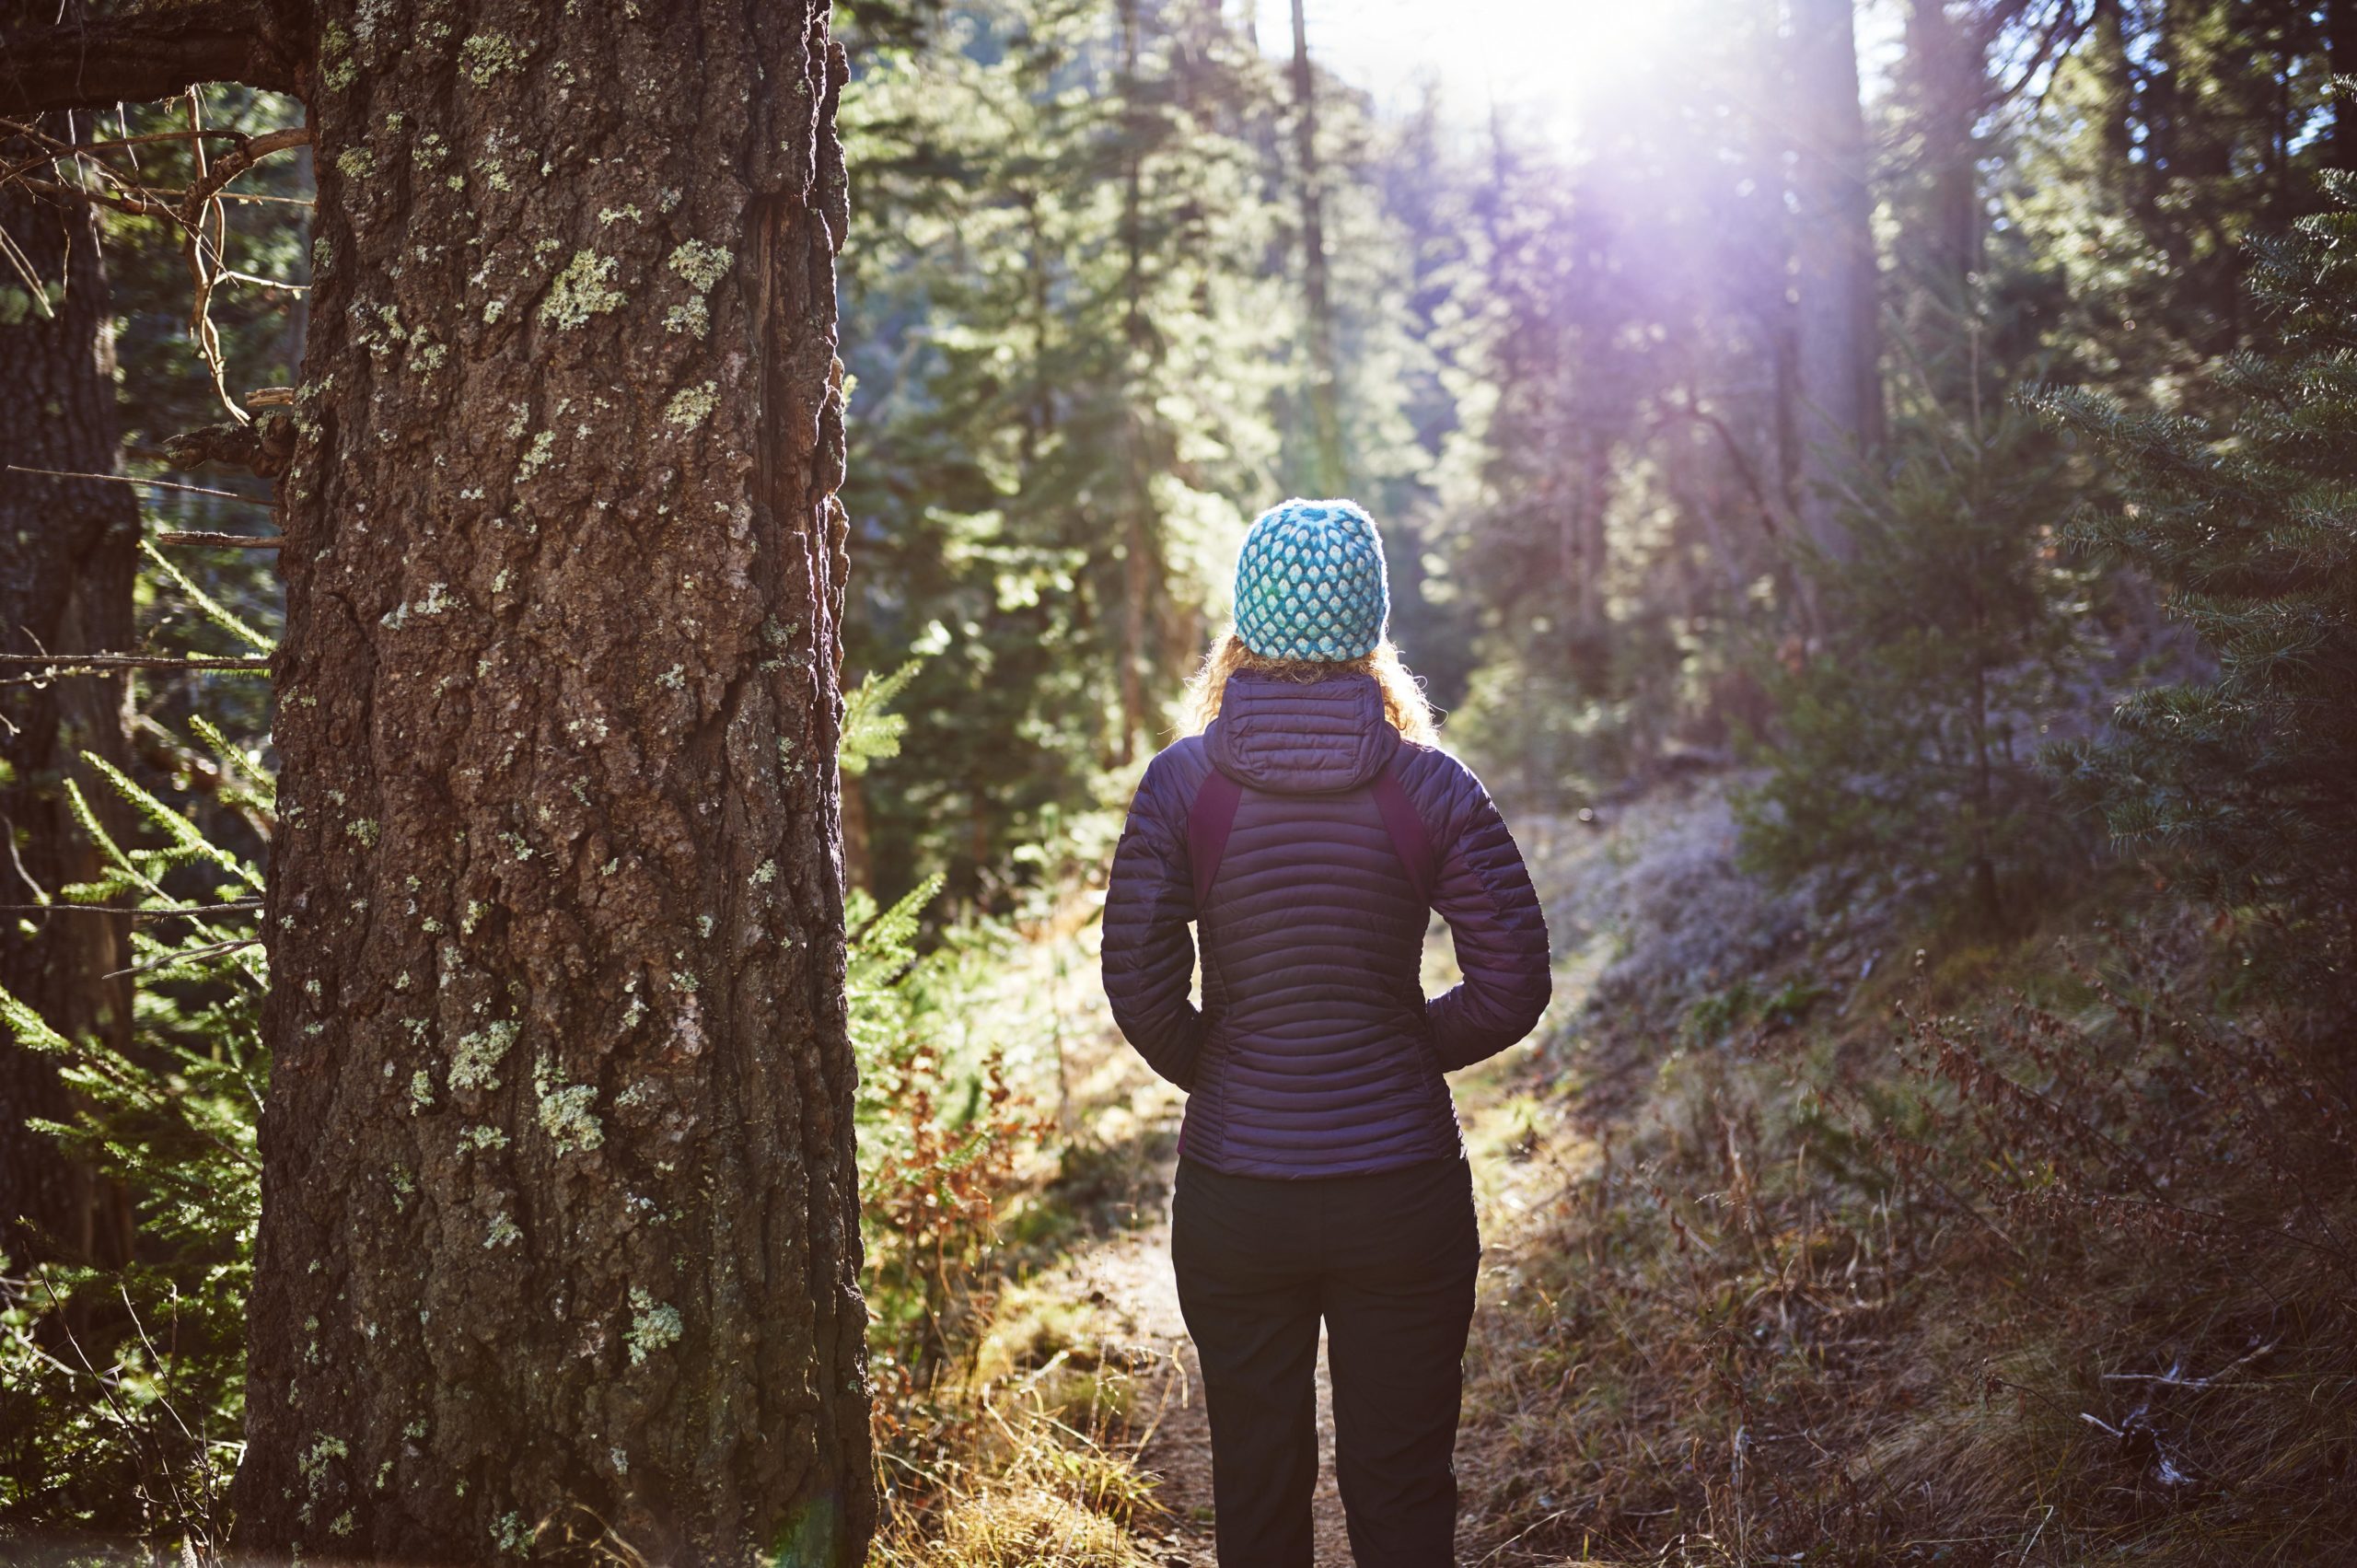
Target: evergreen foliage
[1074, 327]
[871, 731]
[2169, 135]
[937, 1126]
[1904, 749]
[1063, 343]
[121, 1389]
[2248, 522]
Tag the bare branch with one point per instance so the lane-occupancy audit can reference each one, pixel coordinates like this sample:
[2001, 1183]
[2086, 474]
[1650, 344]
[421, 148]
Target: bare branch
[235, 163]
[103, 143]
[140, 56]
[99, 664]
[240, 906]
[247, 152]
[157, 484]
[198, 206]
[137, 206]
[1691, 410]
[15, 256]
[217, 540]
[266, 446]
[173, 960]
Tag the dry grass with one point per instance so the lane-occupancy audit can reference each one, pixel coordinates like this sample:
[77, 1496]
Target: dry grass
[1026, 1456]
[1023, 1527]
[1043, 1494]
[1984, 1284]
[1009, 1440]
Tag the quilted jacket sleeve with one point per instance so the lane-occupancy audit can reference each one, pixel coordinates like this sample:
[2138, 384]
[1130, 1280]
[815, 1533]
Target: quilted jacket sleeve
[1149, 957]
[1484, 893]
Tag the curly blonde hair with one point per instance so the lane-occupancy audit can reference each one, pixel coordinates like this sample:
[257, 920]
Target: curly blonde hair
[1403, 695]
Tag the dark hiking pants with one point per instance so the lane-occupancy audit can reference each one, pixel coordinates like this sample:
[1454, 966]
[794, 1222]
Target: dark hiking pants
[1388, 1260]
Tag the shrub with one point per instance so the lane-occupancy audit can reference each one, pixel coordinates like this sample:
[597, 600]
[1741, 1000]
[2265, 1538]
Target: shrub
[122, 1390]
[1904, 752]
[2248, 526]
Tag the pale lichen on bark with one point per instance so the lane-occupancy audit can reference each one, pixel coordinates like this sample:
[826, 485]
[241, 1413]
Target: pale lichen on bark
[532, 546]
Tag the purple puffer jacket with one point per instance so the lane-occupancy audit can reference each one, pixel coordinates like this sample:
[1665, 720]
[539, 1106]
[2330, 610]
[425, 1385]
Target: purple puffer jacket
[1316, 1052]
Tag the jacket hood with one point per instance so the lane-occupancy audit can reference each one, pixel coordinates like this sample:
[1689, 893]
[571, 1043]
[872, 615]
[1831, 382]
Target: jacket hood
[1289, 739]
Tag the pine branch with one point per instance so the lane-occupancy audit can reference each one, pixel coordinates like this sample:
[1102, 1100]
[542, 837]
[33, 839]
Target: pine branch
[215, 610]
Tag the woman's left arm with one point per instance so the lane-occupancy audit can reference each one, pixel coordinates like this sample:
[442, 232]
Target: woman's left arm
[1500, 934]
[1149, 957]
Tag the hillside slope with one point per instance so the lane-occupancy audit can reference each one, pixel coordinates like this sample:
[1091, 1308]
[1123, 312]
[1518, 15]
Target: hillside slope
[1751, 1291]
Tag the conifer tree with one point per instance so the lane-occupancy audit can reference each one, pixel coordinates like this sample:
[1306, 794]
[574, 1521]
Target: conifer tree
[1904, 756]
[1325, 420]
[1837, 288]
[2167, 135]
[2248, 522]
[1065, 354]
[167, 1114]
[1617, 493]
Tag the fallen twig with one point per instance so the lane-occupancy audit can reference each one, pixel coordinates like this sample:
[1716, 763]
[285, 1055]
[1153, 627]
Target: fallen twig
[2172, 1378]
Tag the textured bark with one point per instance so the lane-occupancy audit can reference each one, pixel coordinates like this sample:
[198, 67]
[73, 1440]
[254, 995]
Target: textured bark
[66, 553]
[558, 1252]
[1839, 383]
[60, 57]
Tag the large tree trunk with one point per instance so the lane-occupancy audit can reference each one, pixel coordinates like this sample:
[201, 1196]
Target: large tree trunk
[560, 1249]
[1839, 383]
[67, 551]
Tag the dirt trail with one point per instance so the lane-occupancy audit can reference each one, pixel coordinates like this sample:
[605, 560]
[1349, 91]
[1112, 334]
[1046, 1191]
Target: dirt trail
[1521, 1155]
[1126, 1278]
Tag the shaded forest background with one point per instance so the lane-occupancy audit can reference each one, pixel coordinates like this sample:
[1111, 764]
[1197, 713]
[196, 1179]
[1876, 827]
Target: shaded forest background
[1883, 474]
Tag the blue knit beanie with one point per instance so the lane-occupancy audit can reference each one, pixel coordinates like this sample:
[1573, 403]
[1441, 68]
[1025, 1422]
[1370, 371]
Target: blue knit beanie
[1309, 583]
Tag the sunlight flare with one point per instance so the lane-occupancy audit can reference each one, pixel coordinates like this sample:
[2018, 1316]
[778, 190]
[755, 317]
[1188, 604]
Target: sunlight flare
[1546, 54]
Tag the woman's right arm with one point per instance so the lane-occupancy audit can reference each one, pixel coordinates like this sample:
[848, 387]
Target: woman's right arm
[1149, 957]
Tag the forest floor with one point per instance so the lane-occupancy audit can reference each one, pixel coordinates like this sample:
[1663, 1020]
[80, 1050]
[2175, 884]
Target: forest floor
[1122, 1301]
